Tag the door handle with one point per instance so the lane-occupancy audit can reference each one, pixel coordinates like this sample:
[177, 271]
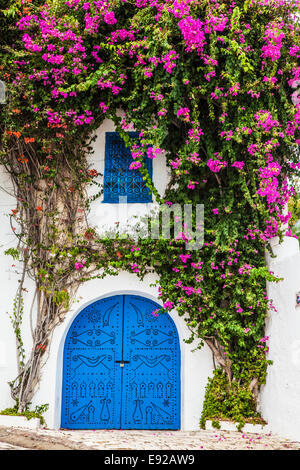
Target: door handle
[122, 363]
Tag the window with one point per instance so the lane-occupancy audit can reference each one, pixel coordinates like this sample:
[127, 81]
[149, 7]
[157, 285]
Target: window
[119, 181]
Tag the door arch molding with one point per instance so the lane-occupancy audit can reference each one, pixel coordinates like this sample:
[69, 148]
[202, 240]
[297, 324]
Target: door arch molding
[138, 300]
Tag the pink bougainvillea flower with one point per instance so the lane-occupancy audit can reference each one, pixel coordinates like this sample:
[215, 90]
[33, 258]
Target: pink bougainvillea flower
[216, 165]
[109, 18]
[239, 165]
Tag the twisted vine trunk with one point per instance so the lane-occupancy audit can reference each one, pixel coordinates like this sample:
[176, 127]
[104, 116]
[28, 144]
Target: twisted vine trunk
[50, 217]
[49, 315]
[220, 357]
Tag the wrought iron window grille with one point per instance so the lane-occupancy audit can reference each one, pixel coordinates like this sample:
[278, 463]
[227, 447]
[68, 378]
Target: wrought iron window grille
[119, 181]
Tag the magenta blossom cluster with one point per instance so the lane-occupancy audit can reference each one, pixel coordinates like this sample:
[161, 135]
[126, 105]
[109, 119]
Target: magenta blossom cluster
[216, 165]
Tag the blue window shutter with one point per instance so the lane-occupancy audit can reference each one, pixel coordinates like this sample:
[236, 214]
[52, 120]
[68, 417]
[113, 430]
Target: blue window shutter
[119, 181]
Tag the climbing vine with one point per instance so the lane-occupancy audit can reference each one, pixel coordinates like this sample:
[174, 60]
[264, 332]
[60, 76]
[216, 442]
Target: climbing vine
[212, 86]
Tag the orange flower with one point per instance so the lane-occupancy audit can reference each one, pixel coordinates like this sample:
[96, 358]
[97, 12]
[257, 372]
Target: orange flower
[17, 134]
[89, 235]
[39, 208]
[17, 111]
[93, 172]
[119, 255]
[29, 139]
[22, 159]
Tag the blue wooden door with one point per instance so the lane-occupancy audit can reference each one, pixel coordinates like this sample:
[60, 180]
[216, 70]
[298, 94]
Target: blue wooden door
[151, 379]
[121, 367]
[91, 379]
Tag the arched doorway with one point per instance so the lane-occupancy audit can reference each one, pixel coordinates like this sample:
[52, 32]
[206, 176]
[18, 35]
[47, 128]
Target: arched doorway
[121, 367]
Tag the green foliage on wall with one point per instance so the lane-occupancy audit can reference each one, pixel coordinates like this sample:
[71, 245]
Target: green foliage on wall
[211, 87]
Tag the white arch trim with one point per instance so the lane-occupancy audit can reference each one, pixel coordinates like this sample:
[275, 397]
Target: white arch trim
[113, 293]
[195, 367]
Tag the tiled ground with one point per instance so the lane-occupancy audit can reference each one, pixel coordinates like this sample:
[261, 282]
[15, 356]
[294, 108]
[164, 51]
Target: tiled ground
[143, 440]
[177, 440]
[5, 446]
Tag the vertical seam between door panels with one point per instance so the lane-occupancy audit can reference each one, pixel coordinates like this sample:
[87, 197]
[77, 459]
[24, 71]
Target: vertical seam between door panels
[122, 358]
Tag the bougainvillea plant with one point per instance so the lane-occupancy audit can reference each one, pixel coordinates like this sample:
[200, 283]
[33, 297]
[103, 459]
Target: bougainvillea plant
[212, 86]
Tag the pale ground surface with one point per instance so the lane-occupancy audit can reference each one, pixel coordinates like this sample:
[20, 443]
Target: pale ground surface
[5, 446]
[44, 439]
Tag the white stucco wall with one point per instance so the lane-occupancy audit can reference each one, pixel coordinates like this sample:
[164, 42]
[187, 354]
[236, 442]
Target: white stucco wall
[196, 366]
[280, 398]
[8, 283]
[10, 273]
[105, 216]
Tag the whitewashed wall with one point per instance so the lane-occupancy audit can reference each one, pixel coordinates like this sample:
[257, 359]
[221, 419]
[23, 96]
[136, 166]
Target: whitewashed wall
[280, 399]
[10, 273]
[105, 216]
[196, 366]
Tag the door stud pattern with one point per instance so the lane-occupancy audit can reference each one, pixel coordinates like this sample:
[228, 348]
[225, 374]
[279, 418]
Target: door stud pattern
[121, 367]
